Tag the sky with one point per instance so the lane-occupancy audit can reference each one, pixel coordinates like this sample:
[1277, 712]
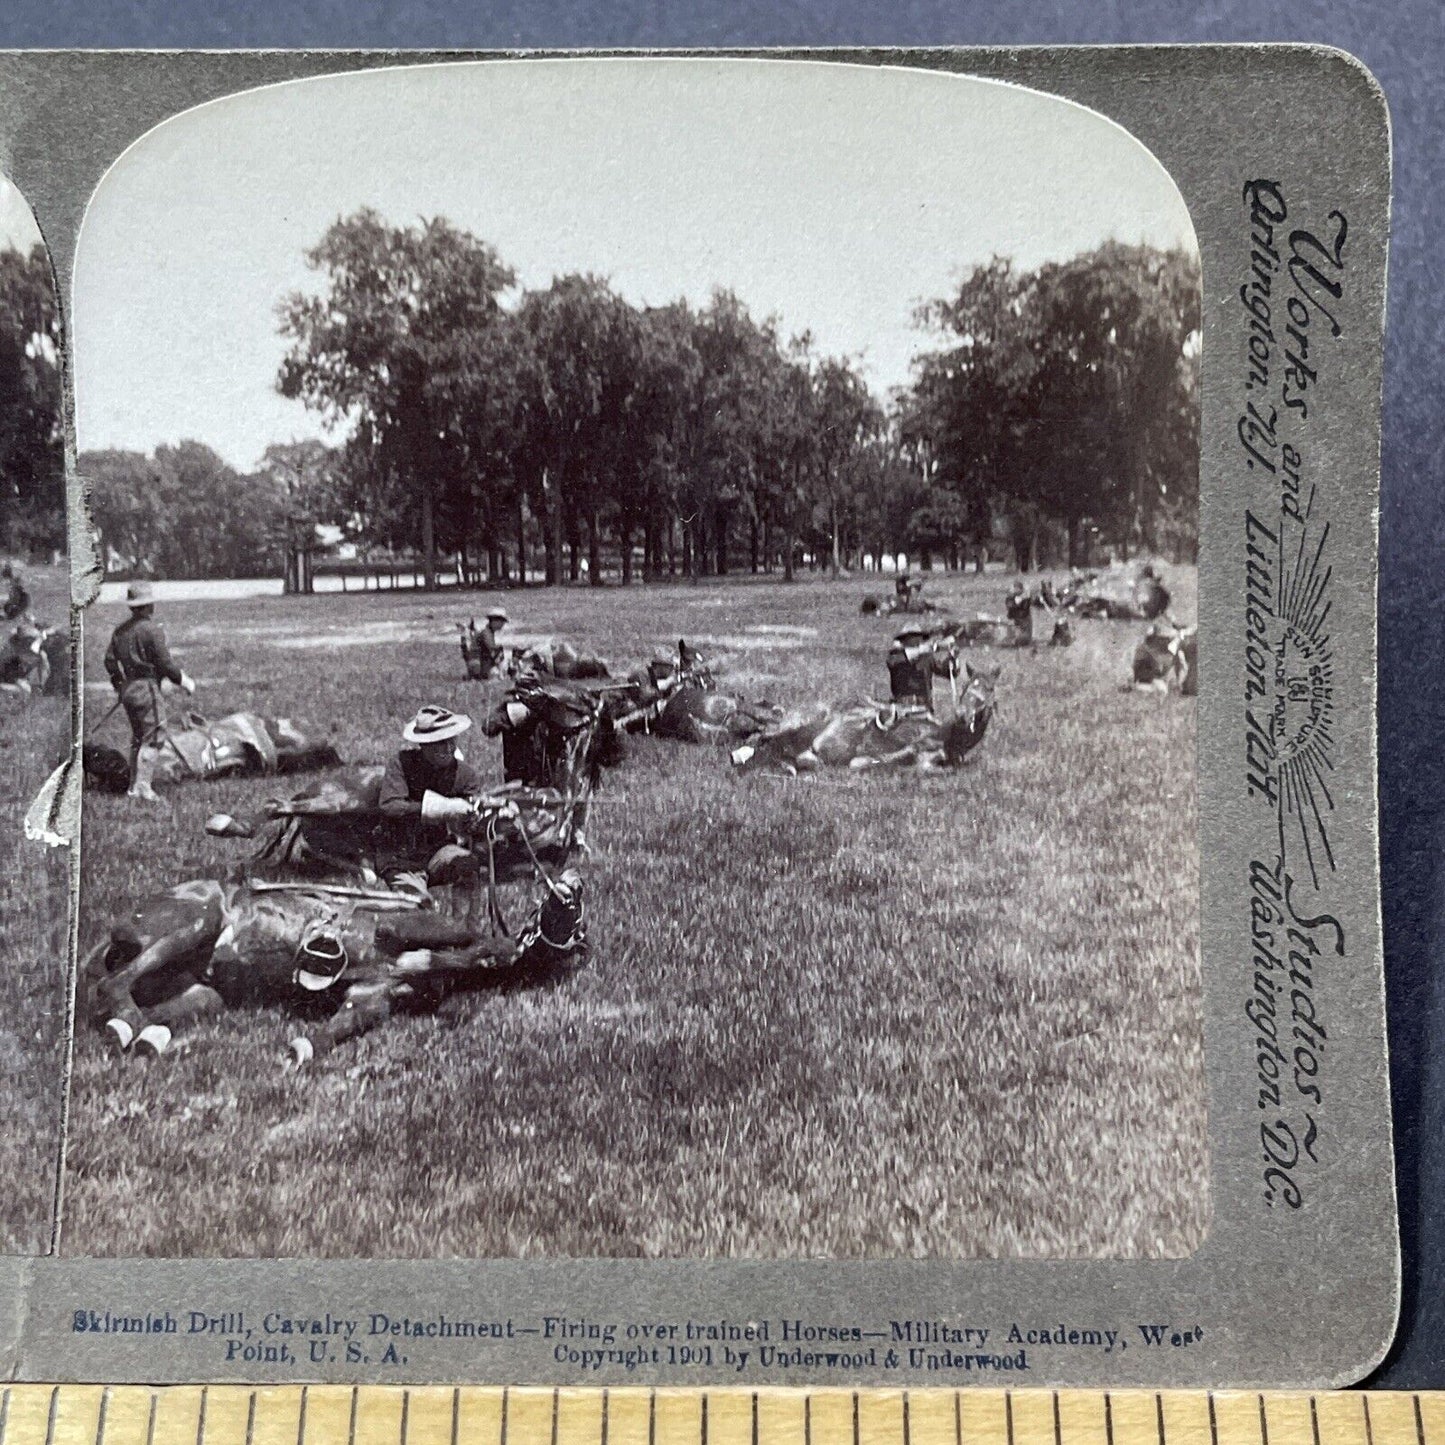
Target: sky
[835, 197]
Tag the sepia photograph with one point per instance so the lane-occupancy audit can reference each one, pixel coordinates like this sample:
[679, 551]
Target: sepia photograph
[34, 729]
[643, 699]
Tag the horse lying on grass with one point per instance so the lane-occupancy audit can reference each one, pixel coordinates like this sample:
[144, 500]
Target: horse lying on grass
[556, 659]
[335, 828]
[986, 631]
[1122, 594]
[194, 747]
[695, 715]
[873, 606]
[1167, 656]
[354, 954]
[336, 825]
[680, 700]
[870, 735]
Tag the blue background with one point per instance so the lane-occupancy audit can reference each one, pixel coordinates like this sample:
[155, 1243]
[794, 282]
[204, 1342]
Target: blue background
[1404, 44]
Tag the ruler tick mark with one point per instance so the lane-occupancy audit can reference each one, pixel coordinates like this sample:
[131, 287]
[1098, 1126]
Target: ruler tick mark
[201, 1416]
[1058, 1424]
[1369, 1426]
[1263, 1424]
[1314, 1420]
[556, 1407]
[651, 1418]
[957, 1417]
[300, 1417]
[755, 1418]
[704, 1420]
[50, 1417]
[4, 1413]
[104, 1410]
[405, 1415]
[1419, 1420]
[1108, 1417]
[1159, 1415]
[456, 1411]
[1008, 1415]
[856, 1432]
[1213, 1422]
[606, 1410]
[506, 1405]
[151, 1419]
[807, 1420]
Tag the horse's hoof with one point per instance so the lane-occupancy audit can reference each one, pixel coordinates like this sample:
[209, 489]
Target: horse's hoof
[153, 1040]
[118, 1035]
[301, 1052]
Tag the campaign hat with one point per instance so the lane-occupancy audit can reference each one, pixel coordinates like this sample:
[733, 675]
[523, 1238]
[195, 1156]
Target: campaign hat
[435, 724]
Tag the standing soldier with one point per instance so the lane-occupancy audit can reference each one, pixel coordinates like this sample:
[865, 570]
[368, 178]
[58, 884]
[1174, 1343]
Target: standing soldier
[138, 661]
[491, 654]
[910, 669]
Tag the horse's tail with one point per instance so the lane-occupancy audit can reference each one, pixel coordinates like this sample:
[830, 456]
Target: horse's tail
[89, 973]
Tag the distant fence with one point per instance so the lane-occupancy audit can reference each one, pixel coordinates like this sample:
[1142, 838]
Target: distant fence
[357, 576]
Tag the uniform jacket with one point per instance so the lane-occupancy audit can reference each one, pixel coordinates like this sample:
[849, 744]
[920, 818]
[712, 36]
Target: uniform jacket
[138, 653]
[910, 678]
[414, 840]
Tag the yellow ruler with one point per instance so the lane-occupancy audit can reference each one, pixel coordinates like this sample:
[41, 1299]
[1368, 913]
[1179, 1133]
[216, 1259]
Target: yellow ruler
[438, 1415]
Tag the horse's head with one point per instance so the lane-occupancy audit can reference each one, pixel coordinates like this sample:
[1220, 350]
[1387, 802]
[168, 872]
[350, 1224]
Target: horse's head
[692, 666]
[559, 925]
[976, 705]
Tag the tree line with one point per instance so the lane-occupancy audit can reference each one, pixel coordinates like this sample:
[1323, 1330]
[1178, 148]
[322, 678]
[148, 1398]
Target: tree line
[32, 456]
[568, 432]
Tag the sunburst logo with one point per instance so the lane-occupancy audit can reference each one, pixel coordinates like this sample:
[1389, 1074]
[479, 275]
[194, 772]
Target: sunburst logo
[1302, 718]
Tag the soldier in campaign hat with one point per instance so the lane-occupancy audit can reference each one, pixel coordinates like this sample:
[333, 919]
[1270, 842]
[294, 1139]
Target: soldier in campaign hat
[490, 651]
[910, 669]
[428, 787]
[137, 662]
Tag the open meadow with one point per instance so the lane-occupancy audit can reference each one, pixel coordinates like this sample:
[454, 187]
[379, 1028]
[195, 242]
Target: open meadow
[34, 907]
[842, 1015]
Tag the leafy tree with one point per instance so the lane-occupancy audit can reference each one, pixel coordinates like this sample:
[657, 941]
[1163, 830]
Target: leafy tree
[377, 353]
[183, 512]
[846, 419]
[32, 462]
[1067, 398]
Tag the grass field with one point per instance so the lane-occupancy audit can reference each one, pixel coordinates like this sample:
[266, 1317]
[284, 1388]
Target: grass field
[837, 1016]
[34, 902]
